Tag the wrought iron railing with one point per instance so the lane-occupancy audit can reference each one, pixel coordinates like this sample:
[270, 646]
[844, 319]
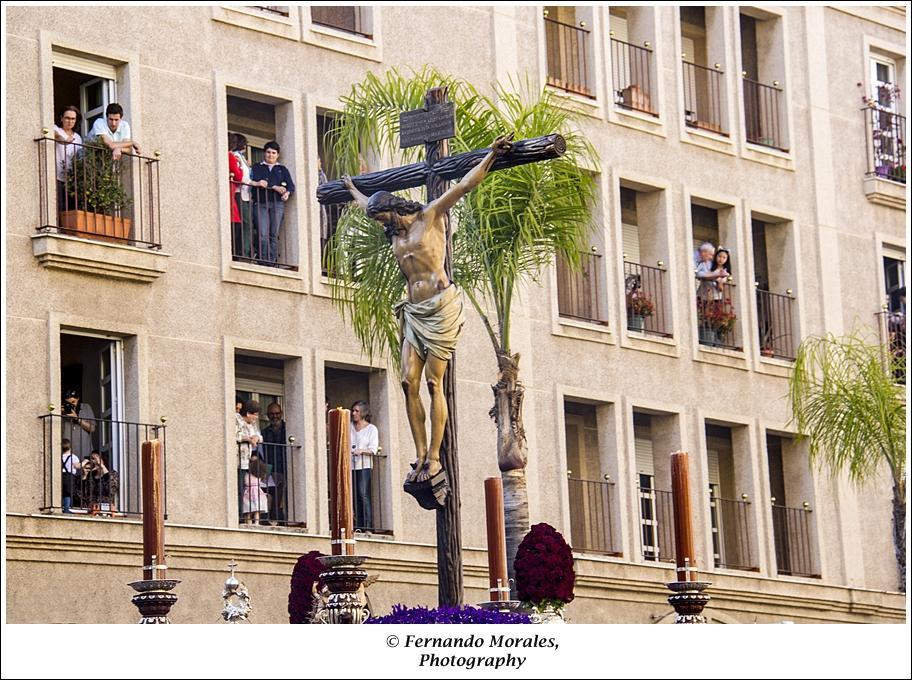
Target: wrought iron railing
[578, 292]
[886, 144]
[631, 76]
[717, 318]
[84, 191]
[731, 534]
[592, 523]
[703, 97]
[892, 329]
[329, 221]
[369, 492]
[763, 114]
[270, 487]
[567, 49]
[279, 10]
[656, 525]
[646, 299]
[264, 236]
[792, 535]
[108, 473]
[775, 324]
[349, 18]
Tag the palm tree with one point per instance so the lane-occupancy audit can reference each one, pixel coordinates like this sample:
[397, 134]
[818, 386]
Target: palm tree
[509, 230]
[845, 401]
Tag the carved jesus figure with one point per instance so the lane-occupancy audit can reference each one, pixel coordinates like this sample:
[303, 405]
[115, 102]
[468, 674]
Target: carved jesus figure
[431, 316]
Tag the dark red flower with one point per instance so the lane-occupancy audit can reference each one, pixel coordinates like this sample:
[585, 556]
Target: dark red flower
[544, 566]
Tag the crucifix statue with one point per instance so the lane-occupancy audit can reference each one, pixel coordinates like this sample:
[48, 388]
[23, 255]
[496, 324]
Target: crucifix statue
[431, 315]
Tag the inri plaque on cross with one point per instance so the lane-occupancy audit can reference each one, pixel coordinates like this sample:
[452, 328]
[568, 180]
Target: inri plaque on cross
[423, 126]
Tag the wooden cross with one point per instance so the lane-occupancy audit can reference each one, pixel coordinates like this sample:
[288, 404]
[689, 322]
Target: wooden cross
[433, 126]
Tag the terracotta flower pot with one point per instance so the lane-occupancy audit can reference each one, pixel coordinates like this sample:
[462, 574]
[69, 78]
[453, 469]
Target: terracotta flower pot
[95, 225]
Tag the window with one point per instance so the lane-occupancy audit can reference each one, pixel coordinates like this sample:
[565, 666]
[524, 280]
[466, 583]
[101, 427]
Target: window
[763, 72]
[703, 52]
[370, 473]
[568, 44]
[717, 299]
[654, 486]
[263, 233]
[593, 518]
[581, 293]
[891, 321]
[269, 489]
[793, 526]
[633, 76]
[645, 278]
[777, 306]
[329, 214]
[277, 10]
[730, 512]
[349, 19]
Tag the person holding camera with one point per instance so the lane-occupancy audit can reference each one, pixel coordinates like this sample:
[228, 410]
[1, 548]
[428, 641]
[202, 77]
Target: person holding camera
[78, 424]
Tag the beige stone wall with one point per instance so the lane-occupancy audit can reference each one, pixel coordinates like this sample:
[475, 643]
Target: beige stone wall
[185, 324]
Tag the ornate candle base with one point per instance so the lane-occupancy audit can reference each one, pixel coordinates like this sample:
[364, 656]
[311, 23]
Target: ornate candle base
[344, 600]
[688, 600]
[502, 606]
[154, 600]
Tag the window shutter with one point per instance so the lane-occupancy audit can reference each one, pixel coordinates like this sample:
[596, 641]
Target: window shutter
[91, 67]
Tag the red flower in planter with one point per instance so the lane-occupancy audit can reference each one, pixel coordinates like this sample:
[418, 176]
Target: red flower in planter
[544, 568]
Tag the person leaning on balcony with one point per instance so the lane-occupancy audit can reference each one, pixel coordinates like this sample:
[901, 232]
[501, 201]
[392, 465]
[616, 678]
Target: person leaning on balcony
[78, 423]
[235, 176]
[242, 197]
[723, 269]
[276, 187]
[248, 438]
[365, 440]
[704, 272]
[274, 454]
[114, 131]
[67, 140]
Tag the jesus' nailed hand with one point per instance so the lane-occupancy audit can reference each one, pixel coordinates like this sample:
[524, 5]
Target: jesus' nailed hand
[431, 316]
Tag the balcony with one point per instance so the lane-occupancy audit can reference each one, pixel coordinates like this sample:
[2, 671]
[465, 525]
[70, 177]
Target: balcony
[578, 291]
[113, 489]
[763, 114]
[703, 97]
[792, 534]
[631, 68]
[892, 330]
[257, 239]
[592, 525]
[656, 525]
[269, 486]
[731, 535]
[369, 493]
[775, 320]
[717, 319]
[276, 10]
[568, 49]
[98, 215]
[646, 294]
[886, 141]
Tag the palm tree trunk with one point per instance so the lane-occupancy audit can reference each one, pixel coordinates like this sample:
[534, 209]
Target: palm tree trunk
[511, 451]
[899, 530]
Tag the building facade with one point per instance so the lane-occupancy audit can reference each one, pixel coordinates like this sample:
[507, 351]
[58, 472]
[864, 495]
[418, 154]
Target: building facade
[738, 126]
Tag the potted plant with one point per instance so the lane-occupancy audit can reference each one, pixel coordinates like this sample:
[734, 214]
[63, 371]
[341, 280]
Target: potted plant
[544, 573]
[96, 185]
[717, 319]
[639, 306]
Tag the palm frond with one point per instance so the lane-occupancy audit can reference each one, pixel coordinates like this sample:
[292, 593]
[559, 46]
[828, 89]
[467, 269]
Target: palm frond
[847, 405]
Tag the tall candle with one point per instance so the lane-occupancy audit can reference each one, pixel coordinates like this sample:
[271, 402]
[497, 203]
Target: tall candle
[497, 547]
[340, 491]
[153, 499]
[683, 529]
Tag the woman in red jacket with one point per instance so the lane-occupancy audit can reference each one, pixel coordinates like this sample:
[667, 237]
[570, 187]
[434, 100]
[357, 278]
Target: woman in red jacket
[235, 175]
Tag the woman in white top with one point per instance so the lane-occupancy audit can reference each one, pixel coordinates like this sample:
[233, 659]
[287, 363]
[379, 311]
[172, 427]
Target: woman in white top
[66, 148]
[365, 440]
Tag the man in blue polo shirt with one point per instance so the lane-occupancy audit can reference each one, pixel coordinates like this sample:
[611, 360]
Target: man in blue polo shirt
[276, 187]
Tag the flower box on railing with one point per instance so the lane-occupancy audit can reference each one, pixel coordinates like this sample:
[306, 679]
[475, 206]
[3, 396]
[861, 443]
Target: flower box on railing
[96, 225]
